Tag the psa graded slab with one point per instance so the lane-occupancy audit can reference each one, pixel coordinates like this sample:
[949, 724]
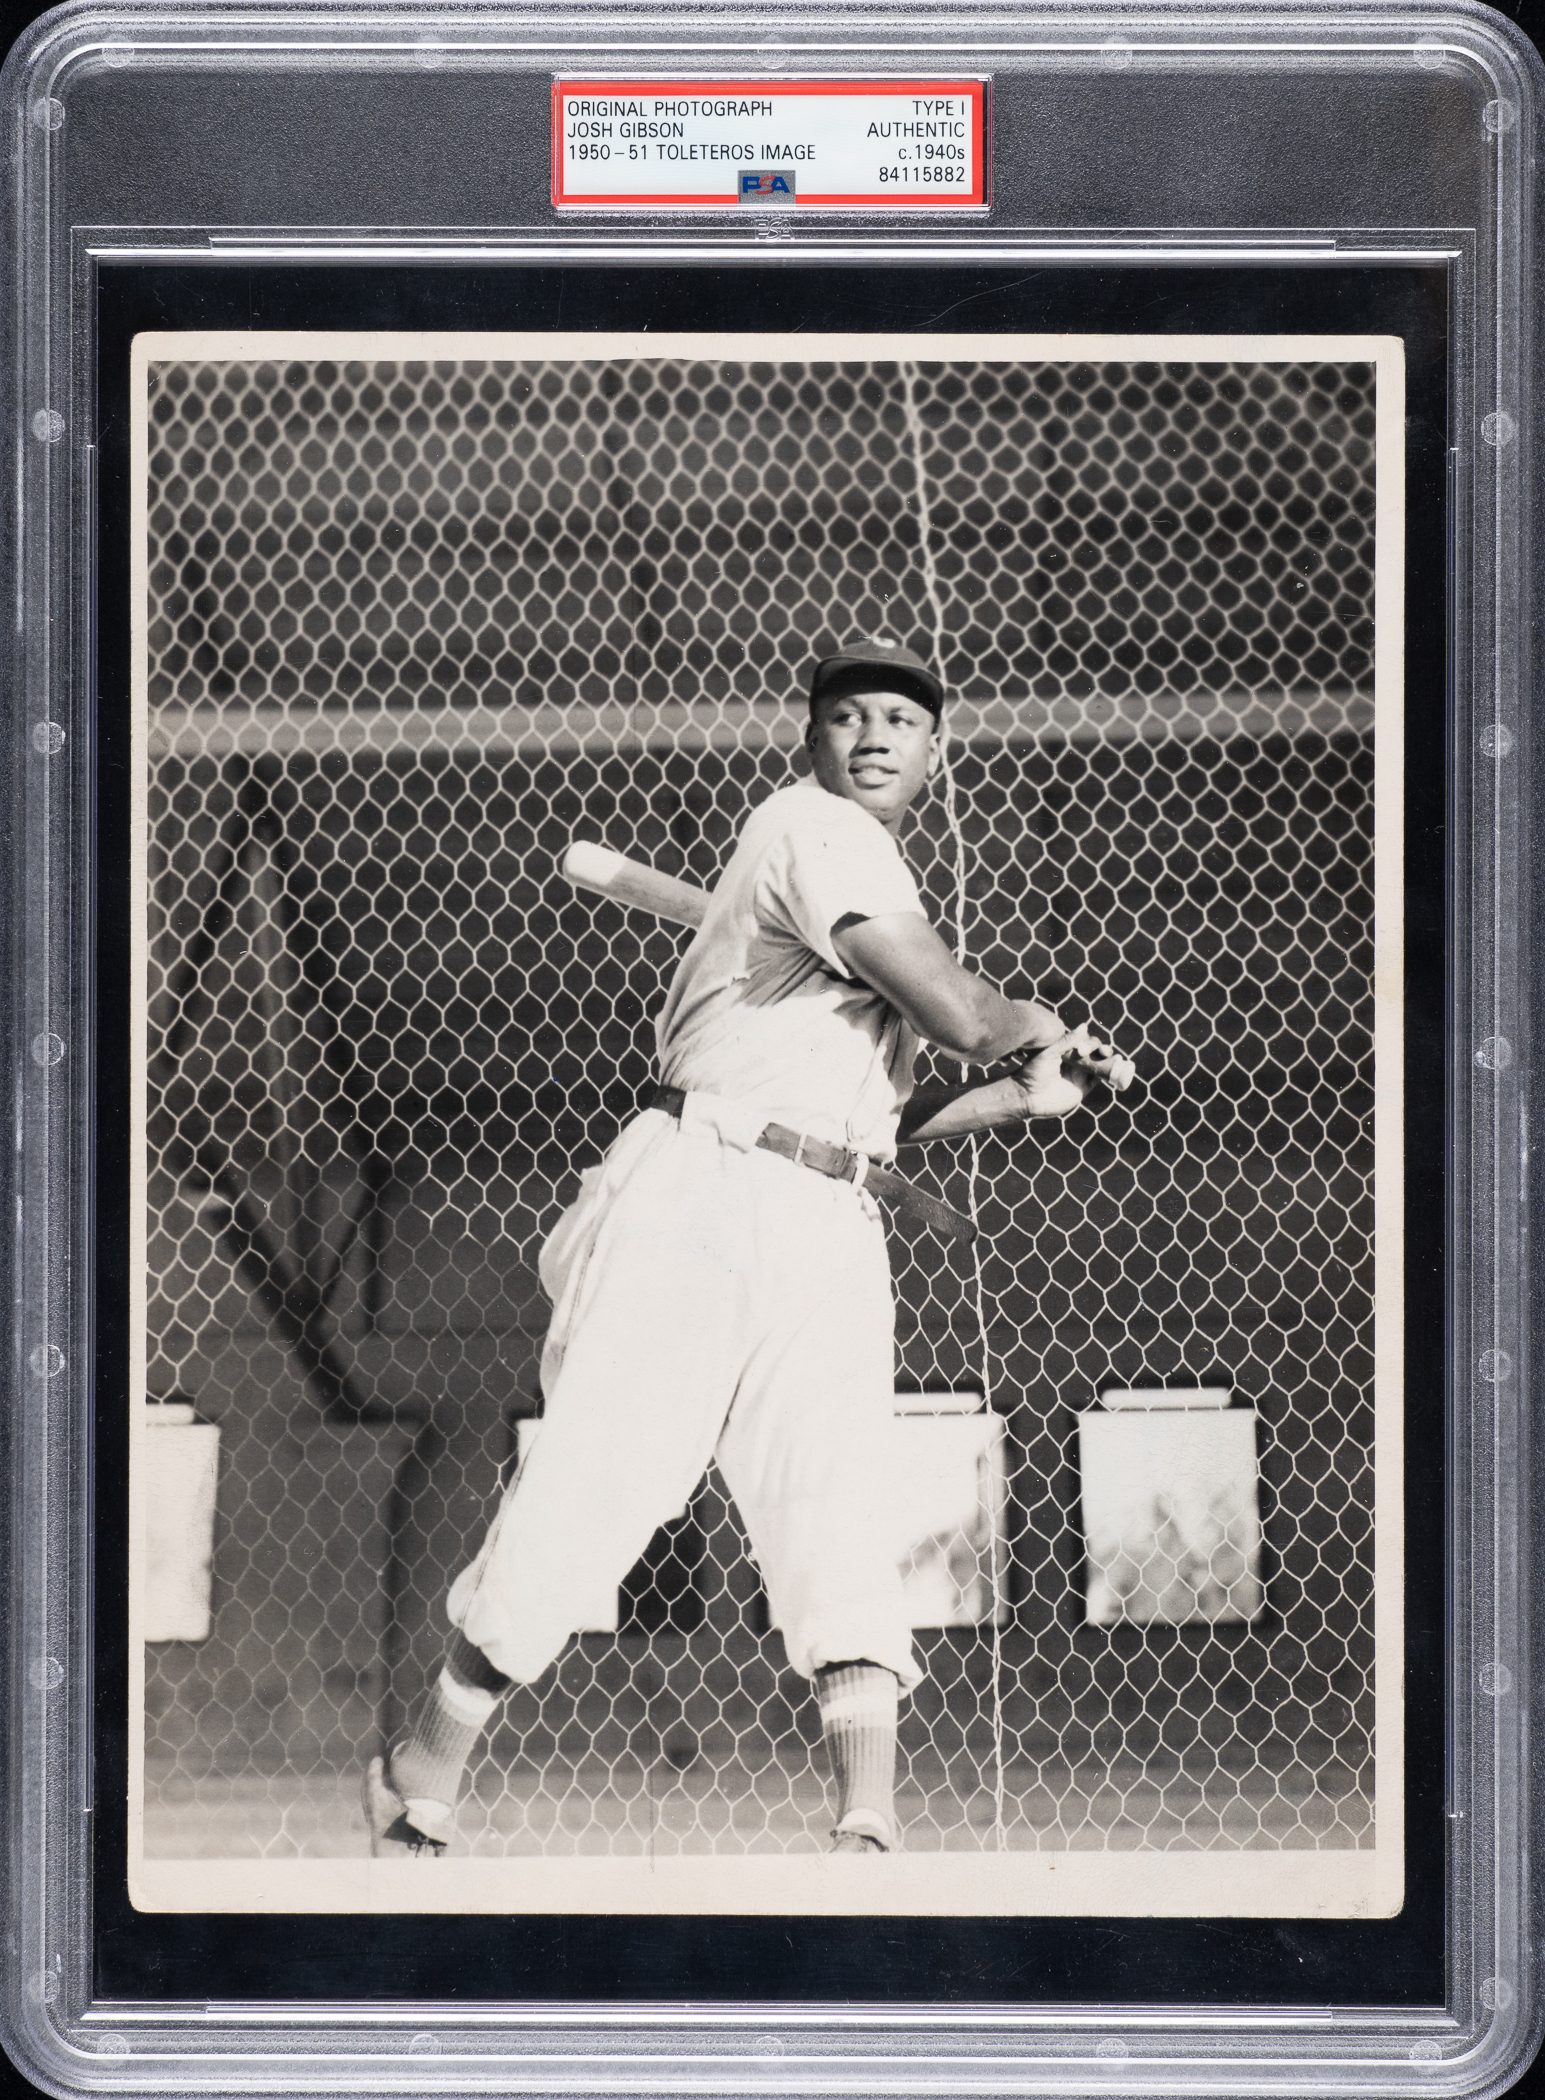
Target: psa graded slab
[769, 816]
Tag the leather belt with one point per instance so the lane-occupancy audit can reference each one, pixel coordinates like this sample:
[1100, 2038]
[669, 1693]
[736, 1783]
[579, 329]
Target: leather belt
[838, 1164]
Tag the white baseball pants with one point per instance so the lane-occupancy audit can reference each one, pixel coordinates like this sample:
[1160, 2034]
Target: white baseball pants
[708, 1299]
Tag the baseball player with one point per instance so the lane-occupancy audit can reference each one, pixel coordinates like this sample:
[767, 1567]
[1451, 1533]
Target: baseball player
[720, 1286]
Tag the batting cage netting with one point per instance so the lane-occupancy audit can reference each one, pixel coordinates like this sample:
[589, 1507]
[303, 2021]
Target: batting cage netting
[416, 626]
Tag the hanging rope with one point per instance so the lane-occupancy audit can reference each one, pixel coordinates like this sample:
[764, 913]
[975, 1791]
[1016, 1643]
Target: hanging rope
[931, 585]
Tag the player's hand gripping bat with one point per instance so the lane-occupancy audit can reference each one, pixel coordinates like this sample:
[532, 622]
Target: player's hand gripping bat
[1055, 1080]
[635, 883]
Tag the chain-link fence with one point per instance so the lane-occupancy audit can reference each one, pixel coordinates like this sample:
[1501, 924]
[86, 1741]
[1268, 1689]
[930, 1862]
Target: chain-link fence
[413, 627]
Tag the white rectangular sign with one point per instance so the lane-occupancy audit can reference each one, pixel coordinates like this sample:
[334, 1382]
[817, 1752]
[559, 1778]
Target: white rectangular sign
[786, 144]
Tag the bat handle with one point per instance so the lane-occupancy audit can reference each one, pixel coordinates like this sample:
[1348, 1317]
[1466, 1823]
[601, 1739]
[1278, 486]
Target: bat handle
[1118, 1073]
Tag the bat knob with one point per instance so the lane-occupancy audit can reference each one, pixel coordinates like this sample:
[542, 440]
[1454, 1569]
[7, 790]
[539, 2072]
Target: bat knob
[1121, 1074]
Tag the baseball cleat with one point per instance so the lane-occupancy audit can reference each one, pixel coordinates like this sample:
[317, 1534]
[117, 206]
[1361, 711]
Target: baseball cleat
[855, 1841]
[392, 1835]
[863, 1830]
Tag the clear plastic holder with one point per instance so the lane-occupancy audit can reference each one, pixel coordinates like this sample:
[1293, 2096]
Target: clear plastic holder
[349, 147]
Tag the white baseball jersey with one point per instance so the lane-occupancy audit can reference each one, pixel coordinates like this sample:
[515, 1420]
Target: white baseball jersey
[710, 1298]
[762, 1010]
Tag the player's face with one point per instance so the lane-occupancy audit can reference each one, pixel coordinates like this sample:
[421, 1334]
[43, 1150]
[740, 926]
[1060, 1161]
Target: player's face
[876, 749]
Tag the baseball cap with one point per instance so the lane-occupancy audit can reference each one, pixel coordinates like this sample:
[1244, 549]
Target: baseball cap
[880, 653]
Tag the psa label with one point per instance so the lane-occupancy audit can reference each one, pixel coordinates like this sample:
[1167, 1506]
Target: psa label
[785, 146]
[766, 186]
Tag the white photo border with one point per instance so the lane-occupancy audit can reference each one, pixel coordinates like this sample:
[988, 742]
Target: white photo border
[1322, 1884]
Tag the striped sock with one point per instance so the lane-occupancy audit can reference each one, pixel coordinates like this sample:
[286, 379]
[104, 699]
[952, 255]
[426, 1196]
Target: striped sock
[858, 1719]
[426, 1766]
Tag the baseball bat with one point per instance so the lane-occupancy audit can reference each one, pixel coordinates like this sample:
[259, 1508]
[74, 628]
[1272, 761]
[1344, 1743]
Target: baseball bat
[608, 874]
[635, 883]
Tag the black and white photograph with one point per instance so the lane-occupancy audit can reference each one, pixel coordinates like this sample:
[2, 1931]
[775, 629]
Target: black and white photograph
[767, 984]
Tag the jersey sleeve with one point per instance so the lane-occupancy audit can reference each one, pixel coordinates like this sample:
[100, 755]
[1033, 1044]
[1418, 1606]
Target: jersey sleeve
[837, 864]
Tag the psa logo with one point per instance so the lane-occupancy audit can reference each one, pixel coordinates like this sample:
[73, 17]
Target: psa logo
[766, 186]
